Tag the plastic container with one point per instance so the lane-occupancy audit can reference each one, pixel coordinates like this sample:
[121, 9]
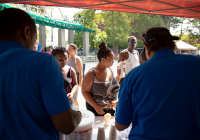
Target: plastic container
[84, 129]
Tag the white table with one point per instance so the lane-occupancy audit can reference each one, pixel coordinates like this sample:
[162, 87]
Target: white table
[98, 121]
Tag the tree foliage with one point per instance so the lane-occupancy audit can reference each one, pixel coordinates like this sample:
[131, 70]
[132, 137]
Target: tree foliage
[88, 19]
[118, 26]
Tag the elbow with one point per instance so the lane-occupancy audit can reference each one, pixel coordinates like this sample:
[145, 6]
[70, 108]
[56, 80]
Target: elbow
[67, 129]
[120, 127]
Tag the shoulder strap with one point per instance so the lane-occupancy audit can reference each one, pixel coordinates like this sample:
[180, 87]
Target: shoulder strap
[70, 84]
[94, 72]
[69, 72]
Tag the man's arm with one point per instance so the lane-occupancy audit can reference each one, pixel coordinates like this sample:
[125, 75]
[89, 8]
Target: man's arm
[124, 109]
[120, 59]
[66, 121]
[121, 127]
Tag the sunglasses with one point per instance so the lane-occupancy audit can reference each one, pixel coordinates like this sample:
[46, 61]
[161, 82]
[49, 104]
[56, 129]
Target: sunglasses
[144, 39]
[133, 42]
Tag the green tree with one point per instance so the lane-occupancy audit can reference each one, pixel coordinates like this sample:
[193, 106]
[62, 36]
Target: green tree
[171, 21]
[117, 27]
[142, 22]
[88, 18]
[194, 32]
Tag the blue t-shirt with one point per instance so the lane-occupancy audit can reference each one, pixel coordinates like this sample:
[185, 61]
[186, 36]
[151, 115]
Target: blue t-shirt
[161, 98]
[39, 47]
[31, 89]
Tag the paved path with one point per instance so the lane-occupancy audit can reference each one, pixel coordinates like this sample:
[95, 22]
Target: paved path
[88, 66]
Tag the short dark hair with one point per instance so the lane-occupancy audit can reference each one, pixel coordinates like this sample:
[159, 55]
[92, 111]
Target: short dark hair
[104, 51]
[73, 46]
[143, 55]
[58, 50]
[132, 37]
[12, 20]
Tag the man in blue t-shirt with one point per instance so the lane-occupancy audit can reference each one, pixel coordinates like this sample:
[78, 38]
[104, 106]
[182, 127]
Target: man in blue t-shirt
[33, 102]
[161, 97]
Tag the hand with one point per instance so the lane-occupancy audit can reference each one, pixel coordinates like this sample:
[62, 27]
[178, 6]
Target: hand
[112, 104]
[70, 96]
[99, 110]
[124, 68]
[118, 77]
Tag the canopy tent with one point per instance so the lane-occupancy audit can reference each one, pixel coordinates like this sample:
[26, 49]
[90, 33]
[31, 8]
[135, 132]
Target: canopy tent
[184, 46]
[49, 22]
[181, 8]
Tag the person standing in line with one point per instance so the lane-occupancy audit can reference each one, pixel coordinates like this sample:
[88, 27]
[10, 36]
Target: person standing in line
[33, 102]
[130, 57]
[100, 88]
[158, 98]
[69, 74]
[75, 62]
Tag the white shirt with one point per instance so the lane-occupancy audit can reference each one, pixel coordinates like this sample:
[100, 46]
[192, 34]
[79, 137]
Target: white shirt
[132, 61]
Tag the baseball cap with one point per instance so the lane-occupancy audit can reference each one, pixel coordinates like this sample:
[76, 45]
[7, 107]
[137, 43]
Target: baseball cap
[153, 34]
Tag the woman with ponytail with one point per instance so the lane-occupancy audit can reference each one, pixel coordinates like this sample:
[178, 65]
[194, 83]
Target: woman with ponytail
[100, 88]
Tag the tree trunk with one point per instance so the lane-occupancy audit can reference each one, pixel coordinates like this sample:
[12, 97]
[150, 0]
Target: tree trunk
[115, 48]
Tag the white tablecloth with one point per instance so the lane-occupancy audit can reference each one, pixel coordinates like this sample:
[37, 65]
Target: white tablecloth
[100, 120]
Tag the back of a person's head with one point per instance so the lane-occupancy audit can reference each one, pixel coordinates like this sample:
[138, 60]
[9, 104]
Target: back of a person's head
[12, 20]
[159, 38]
[104, 51]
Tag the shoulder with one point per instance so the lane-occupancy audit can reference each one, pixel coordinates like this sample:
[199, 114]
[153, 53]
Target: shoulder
[136, 51]
[78, 59]
[72, 70]
[89, 75]
[124, 52]
[188, 58]
[66, 68]
[39, 57]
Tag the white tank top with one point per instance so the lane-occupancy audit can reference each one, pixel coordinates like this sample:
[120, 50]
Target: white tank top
[132, 61]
